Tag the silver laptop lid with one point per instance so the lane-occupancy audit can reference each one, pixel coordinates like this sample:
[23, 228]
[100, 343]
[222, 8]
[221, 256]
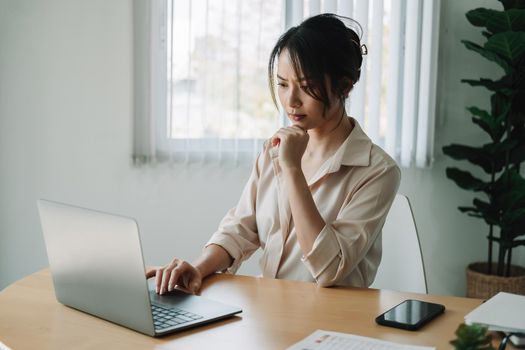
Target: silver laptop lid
[97, 264]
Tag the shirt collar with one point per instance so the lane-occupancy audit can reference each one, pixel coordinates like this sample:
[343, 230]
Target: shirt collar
[355, 150]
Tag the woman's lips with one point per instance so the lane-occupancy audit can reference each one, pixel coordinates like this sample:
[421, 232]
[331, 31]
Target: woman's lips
[297, 117]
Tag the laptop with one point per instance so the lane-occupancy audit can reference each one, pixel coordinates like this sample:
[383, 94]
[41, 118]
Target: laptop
[97, 267]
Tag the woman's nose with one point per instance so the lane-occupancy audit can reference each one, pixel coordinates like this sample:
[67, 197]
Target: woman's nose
[293, 98]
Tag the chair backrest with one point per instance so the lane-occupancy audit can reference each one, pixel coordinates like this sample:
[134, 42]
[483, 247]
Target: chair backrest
[401, 265]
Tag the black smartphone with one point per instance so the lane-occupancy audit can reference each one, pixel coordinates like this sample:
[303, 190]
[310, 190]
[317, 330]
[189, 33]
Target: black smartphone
[410, 314]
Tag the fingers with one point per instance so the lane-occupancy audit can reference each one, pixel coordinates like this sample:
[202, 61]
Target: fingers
[165, 278]
[166, 275]
[297, 127]
[196, 285]
[151, 271]
[178, 273]
[158, 279]
[284, 133]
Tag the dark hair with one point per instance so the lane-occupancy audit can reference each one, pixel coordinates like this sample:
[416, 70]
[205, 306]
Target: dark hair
[321, 46]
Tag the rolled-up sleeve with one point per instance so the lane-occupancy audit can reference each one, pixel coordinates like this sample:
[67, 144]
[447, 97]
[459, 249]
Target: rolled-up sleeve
[237, 232]
[343, 243]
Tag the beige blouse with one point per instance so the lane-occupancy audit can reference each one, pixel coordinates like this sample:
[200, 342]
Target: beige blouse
[353, 191]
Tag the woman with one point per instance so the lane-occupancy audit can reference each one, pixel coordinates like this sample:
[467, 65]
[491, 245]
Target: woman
[320, 190]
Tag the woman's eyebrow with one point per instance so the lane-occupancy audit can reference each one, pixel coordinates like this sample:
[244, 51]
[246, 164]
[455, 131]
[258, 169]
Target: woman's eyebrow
[300, 79]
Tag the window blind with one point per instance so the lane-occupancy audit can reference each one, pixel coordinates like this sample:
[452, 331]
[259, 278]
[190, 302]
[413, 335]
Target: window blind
[207, 88]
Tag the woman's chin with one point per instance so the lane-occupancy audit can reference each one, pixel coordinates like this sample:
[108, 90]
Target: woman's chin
[300, 123]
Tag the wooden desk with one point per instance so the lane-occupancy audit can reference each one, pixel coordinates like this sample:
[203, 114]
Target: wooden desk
[276, 314]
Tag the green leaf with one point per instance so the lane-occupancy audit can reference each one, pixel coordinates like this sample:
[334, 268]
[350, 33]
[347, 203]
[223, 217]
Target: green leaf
[478, 17]
[517, 155]
[509, 190]
[500, 104]
[517, 243]
[512, 217]
[493, 126]
[510, 4]
[488, 54]
[480, 113]
[511, 201]
[481, 205]
[517, 232]
[478, 216]
[494, 130]
[489, 212]
[475, 155]
[503, 21]
[465, 180]
[504, 85]
[508, 45]
[496, 152]
[519, 77]
[497, 21]
[468, 210]
[509, 242]
[505, 241]
[490, 157]
[472, 211]
[498, 149]
[485, 126]
[518, 108]
[486, 34]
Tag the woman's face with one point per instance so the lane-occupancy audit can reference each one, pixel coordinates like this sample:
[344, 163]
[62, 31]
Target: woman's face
[302, 109]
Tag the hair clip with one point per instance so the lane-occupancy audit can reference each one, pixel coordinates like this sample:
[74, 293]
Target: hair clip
[364, 50]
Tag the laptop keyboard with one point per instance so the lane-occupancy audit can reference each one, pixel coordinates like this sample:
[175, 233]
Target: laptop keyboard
[169, 317]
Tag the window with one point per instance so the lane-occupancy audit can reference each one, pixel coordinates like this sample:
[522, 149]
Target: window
[207, 77]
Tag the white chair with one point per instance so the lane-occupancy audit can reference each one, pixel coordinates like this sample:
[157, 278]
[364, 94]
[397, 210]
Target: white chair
[401, 267]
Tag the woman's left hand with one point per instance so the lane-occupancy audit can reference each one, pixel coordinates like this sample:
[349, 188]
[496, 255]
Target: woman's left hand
[292, 143]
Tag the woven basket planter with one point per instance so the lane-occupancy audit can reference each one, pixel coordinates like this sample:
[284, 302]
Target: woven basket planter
[483, 286]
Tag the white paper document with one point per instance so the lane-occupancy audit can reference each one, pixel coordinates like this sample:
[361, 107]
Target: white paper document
[3, 346]
[503, 312]
[326, 340]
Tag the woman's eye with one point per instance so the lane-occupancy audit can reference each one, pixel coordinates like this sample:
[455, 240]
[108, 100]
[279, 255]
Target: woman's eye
[305, 87]
[281, 84]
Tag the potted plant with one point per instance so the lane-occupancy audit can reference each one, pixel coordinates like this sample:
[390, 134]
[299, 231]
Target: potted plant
[472, 337]
[502, 188]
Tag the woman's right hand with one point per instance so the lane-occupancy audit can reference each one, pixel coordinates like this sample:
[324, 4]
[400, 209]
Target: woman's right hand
[177, 273]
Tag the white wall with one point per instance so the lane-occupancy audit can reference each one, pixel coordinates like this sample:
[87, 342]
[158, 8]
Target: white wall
[66, 126]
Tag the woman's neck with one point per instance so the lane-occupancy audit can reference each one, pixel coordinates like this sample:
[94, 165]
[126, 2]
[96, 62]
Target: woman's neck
[324, 144]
